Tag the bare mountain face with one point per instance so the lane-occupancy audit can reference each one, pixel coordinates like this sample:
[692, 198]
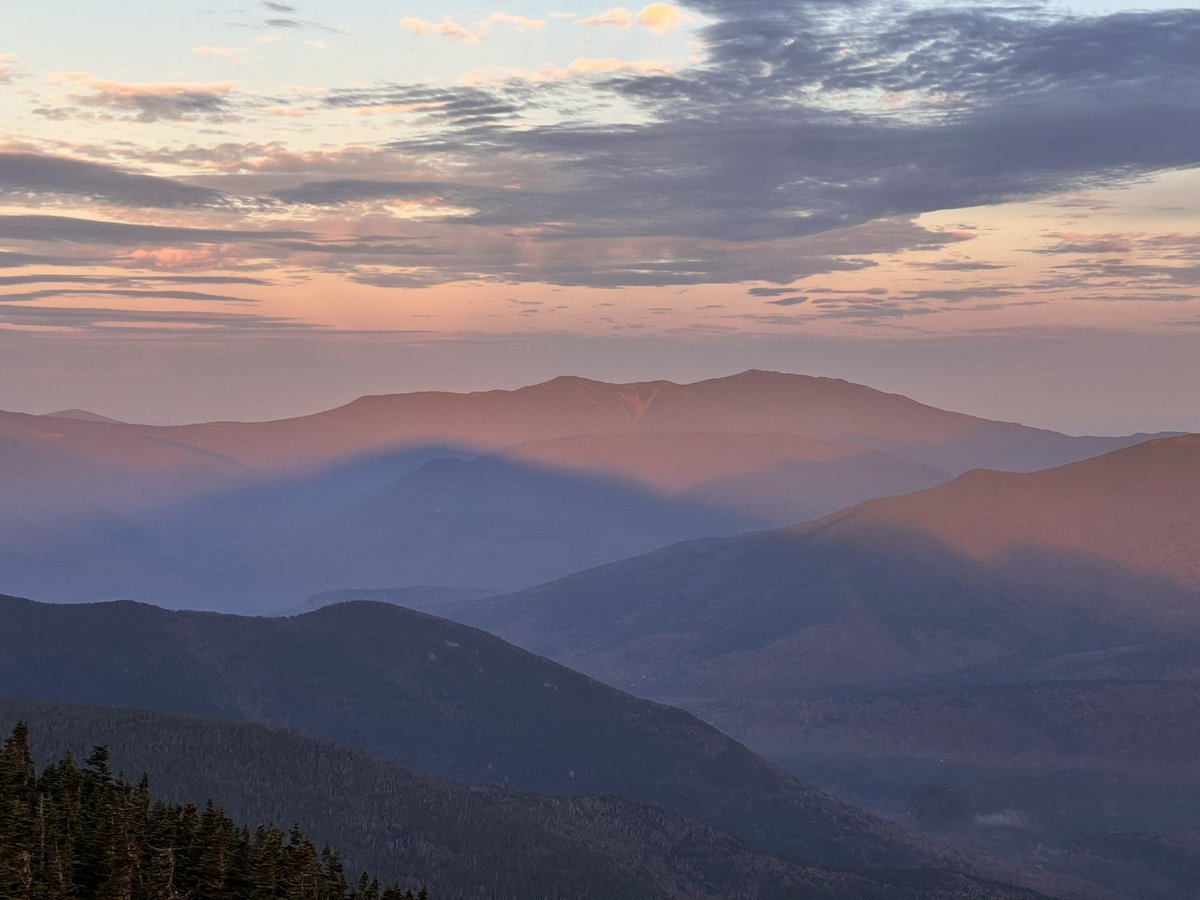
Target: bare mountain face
[1024, 649]
[753, 402]
[498, 489]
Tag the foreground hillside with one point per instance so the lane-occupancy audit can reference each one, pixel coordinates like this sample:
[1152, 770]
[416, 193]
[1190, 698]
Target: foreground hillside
[463, 841]
[72, 831]
[439, 698]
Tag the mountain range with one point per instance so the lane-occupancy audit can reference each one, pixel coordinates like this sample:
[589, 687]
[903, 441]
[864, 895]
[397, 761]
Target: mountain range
[1027, 645]
[495, 490]
[447, 700]
[468, 841]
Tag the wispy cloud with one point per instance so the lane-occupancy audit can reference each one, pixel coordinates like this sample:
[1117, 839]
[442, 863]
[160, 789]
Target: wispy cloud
[482, 29]
[617, 16]
[143, 102]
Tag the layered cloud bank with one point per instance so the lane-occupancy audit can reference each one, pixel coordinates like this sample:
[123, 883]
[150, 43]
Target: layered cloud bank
[821, 167]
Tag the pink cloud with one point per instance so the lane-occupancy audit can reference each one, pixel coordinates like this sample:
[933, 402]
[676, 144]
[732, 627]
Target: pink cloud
[617, 16]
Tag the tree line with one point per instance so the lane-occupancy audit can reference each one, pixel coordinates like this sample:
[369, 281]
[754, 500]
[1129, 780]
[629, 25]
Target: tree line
[82, 833]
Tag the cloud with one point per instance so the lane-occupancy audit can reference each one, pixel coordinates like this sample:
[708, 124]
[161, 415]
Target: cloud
[8, 68]
[146, 102]
[279, 7]
[223, 52]
[119, 280]
[617, 16]
[158, 294]
[446, 28]
[65, 229]
[103, 319]
[580, 68]
[521, 23]
[29, 175]
[482, 29]
[458, 107]
[660, 17]
[788, 301]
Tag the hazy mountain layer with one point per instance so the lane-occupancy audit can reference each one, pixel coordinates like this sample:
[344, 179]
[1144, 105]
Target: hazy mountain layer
[460, 840]
[439, 698]
[389, 492]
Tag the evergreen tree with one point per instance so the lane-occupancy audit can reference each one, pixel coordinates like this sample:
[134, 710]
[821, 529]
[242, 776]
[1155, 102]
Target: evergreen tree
[86, 834]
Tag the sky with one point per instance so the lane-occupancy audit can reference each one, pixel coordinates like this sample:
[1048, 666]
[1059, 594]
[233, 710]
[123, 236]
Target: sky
[263, 209]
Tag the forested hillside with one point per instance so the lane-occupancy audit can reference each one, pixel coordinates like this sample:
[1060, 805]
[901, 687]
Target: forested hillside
[468, 842]
[83, 833]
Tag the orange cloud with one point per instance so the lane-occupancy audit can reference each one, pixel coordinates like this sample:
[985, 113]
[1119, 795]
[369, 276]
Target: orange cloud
[179, 257]
[660, 17]
[617, 16]
[456, 32]
[448, 29]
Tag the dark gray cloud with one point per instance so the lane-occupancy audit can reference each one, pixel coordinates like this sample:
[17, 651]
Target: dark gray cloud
[461, 107]
[279, 7]
[954, 265]
[119, 280]
[13, 260]
[144, 103]
[28, 175]
[809, 137]
[332, 193]
[159, 294]
[168, 321]
[92, 231]
[782, 133]
[788, 301]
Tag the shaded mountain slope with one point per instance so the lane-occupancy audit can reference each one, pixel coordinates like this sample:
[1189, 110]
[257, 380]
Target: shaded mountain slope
[461, 841]
[440, 698]
[961, 578]
[486, 521]
[769, 479]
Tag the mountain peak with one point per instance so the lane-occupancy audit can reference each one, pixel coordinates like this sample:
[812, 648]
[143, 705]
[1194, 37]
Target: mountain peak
[81, 415]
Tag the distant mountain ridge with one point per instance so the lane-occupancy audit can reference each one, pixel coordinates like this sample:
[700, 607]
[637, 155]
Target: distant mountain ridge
[1024, 648]
[752, 402]
[504, 489]
[82, 415]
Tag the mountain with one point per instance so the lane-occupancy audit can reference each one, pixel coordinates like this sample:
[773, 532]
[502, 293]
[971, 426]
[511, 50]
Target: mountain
[486, 521]
[82, 415]
[768, 479]
[503, 489]
[1025, 647]
[421, 597]
[460, 840]
[1136, 508]
[444, 699]
[753, 402]
[988, 568]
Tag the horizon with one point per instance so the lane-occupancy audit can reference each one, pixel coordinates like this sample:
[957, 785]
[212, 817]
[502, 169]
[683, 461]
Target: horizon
[302, 412]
